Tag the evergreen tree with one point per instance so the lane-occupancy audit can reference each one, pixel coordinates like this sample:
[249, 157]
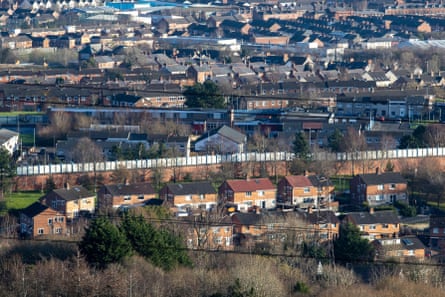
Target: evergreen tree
[205, 95]
[350, 246]
[7, 170]
[103, 243]
[301, 146]
[335, 140]
[161, 247]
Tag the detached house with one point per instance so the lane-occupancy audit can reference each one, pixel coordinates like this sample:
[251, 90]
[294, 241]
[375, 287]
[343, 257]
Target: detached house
[9, 140]
[189, 196]
[70, 201]
[247, 194]
[116, 196]
[38, 220]
[378, 188]
[224, 140]
[375, 224]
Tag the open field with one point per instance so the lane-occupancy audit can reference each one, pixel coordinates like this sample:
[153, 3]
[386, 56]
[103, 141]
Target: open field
[20, 200]
[18, 113]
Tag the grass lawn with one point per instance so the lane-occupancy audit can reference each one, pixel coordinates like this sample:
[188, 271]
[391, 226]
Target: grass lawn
[341, 183]
[27, 139]
[16, 113]
[20, 200]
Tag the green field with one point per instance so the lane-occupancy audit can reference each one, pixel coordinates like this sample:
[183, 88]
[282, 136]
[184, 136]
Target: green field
[17, 113]
[27, 139]
[20, 200]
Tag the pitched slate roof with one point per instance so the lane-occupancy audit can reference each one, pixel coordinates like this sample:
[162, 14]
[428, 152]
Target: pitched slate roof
[322, 217]
[6, 134]
[34, 209]
[298, 181]
[246, 218]
[378, 217]
[130, 189]
[73, 193]
[382, 178]
[241, 185]
[320, 181]
[231, 134]
[192, 188]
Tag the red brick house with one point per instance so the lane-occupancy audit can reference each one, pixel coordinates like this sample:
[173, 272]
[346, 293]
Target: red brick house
[71, 201]
[304, 191]
[248, 194]
[189, 196]
[115, 196]
[404, 249]
[375, 224]
[378, 188]
[39, 220]
[437, 233]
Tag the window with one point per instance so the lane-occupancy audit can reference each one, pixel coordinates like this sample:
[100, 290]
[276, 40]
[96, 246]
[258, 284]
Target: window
[40, 231]
[380, 187]
[188, 197]
[201, 196]
[435, 230]
[127, 198]
[260, 193]
[50, 221]
[392, 186]
[385, 226]
[306, 190]
[58, 230]
[248, 194]
[371, 227]
[141, 197]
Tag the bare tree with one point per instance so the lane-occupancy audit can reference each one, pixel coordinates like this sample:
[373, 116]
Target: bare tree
[354, 142]
[86, 151]
[434, 135]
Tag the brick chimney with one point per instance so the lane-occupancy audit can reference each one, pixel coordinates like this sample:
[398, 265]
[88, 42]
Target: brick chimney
[371, 210]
